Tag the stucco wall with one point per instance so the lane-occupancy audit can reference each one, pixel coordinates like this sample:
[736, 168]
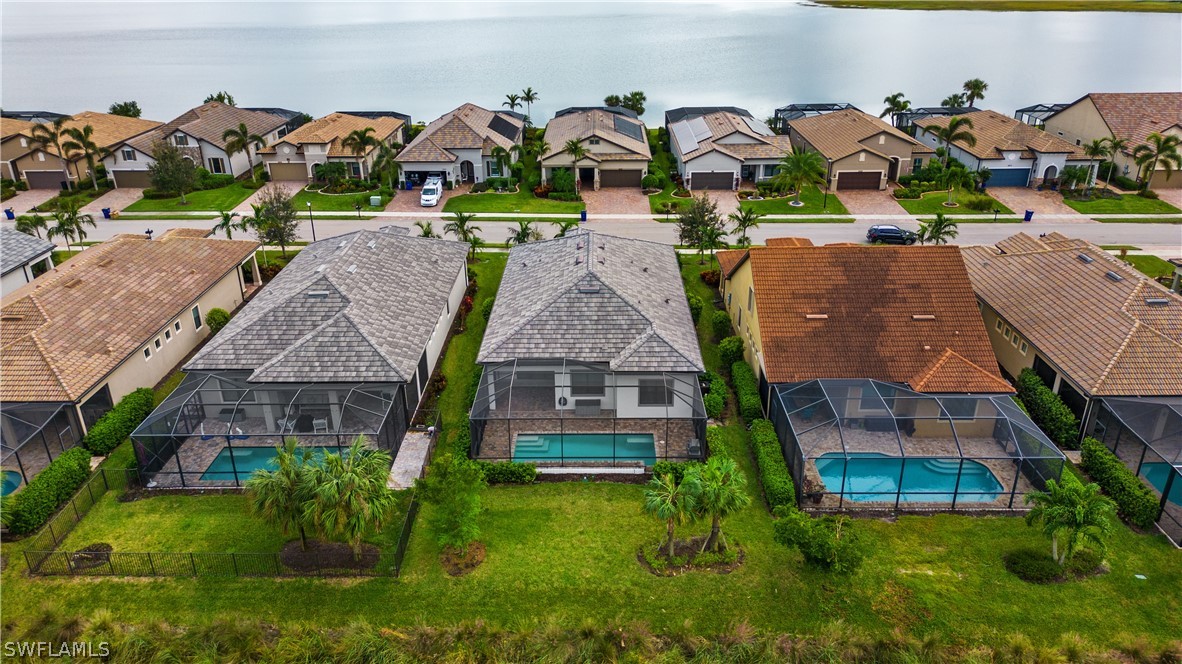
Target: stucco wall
[744, 320]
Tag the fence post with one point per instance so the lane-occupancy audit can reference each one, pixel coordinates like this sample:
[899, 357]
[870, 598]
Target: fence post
[151, 564]
[111, 563]
[29, 563]
[52, 534]
[234, 559]
[193, 563]
[275, 559]
[106, 485]
[91, 492]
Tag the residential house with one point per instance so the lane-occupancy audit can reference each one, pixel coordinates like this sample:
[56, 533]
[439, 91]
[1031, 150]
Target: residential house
[14, 143]
[875, 368]
[296, 155]
[906, 119]
[116, 317]
[861, 151]
[1128, 115]
[198, 133]
[1016, 154]
[590, 358]
[42, 167]
[798, 111]
[295, 119]
[459, 145]
[615, 139]
[718, 147]
[342, 343]
[22, 258]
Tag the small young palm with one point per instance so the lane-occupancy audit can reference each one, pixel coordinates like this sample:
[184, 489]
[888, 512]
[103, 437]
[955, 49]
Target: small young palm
[565, 226]
[723, 492]
[744, 220]
[672, 501]
[31, 224]
[426, 229]
[350, 498]
[1072, 514]
[279, 494]
[227, 224]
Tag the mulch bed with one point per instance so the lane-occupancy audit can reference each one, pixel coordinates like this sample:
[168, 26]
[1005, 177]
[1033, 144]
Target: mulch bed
[689, 549]
[328, 555]
[91, 555]
[459, 565]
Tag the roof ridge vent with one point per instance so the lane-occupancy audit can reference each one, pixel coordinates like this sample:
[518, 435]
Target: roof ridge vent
[1113, 276]
[106, 261]
[372, 244]
[923, 317]
[318, 294]
[1086, 258]
[321, 267]
[816, 316]
[352, 269]
[72, 283]
[342, 244]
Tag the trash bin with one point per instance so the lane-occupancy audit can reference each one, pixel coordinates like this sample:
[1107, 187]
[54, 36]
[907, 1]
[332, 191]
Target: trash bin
[406, 186]
[9, 214]
[1029, 215]
[583, 217]
[106, 213]
[375, 201]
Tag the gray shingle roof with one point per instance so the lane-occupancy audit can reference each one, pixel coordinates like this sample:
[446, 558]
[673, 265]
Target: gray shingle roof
[594, 298]
[354, 308]
[18, 248]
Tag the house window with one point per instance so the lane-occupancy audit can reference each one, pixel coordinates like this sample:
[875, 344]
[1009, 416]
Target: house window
[177, 326]
[355, 169]
[960, 409]
[1007, 333]
[870, 401]
[728, 300]
[916, 164]
[750, 297]
[1014, 340]
[999, 325]
[197, 317]
[129, 155]
[234, 396]
[168, 335]
[654, 392]
[24, 142]
[147, 353]
[217, 165]
[586, 383]
[1023, 348]
[594, 141]
[40, 156]
[180, 139]
[157, 343]
[494, 169]
[769, 170]
[739, 319]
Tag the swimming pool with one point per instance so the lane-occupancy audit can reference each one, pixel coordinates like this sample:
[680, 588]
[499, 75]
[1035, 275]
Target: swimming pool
[11, 482]
[247, 460]
[1158, 474]
[870, 476]
[586, 447]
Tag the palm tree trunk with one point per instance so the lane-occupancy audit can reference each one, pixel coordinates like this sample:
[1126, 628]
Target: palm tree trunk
[670, 538]
[303, 538]
[711, 543]
[254, 176]
[1055, 547]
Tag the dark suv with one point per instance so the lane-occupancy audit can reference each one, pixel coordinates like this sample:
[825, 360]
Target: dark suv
[890, 234]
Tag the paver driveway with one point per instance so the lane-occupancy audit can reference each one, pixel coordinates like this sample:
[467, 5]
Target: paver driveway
[615, 200]
[727, 201]
[1020, 199]
[869, 201]
[27, 200]
[1171, 196]
[116, 199]
[408, 201]
[291, 187]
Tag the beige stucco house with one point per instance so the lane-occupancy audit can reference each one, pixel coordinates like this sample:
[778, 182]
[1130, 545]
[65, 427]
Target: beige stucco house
[861, 151]
[459, 145]
[14, 143]
[616, 142]
[720, 147]
[296, 155]
[42, 167]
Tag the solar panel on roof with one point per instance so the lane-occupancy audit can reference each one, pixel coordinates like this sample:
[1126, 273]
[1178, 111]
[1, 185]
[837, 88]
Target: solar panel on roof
[629, 129]
[503, 127]
[758, 126]
[700, 128]
[685, 136]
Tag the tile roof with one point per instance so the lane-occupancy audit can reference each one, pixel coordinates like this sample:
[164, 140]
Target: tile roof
[12, 127]
[467, 127]
[896, 314]
[1135, 115]
[721, 124]
[598, 123]
[996, 132]
[788, 242]
[333, 128]
[17, 249]
[359, 307]
[66, 330]
[109, 130]
[839, 134]
[1099, 331]
[728, 259]
[594, 298]
[209, 122]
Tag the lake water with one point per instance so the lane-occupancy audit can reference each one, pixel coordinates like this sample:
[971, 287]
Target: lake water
[426, 58]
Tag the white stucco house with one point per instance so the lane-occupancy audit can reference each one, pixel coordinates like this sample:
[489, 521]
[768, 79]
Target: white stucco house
[458, 146]
[720, 147]
[615, 139]
[296, 156]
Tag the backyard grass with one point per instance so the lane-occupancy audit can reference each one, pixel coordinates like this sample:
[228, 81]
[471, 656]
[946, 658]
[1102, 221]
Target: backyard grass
[933, 202]
[1014, 5]
[334, 203]
[522, 201]
[1125, 204]
[1151, 266]
[222, 198]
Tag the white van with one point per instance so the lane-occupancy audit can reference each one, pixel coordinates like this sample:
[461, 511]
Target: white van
[432, 192]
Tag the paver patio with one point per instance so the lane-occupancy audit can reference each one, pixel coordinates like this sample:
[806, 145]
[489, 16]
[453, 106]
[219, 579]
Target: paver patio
[1020, 199]
[116, 199]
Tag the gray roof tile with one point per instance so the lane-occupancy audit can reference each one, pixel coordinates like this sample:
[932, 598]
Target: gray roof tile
[18, 248]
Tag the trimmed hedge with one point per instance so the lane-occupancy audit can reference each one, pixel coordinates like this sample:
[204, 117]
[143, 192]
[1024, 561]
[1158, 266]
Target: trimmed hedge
[49, 490]
[746, 391]
[720, 324]
[114, 427]
[675, 468]
[730, 350]
[695, 306]
[216, 319]
[1048, 411]
[715, 398]
[773, 471]
[508, 472]
[1032, 566]
[1135, 502]
[486, 307]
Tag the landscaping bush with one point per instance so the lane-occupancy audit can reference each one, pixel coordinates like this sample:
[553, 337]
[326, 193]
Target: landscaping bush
[730, 350]
[651, 181]
[1148, 193]
[207, 180]
[977, 202]
[695, 306]
[720, 324]
[117, 424]
[486, 307]
[1033, 566]
[1085, 562]
[252, 185]
[568, 196]
[711, 277]
[773, 471]
[501, 183]
[1135, 502]
[1048, 411]
[715, 399]
[675, 468]
[480, 187]
[828, 542]
[908, 193]
[1126, 183]
[51, 488]
[746, 391]
[216, 319]
[153, 195]
[562, 180]
[508, 472]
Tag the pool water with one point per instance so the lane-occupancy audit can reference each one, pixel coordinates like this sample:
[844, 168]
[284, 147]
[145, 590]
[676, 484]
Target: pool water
[1158, 474]
[586, 447]
[247, 460]
[870, 476]
[11, 482]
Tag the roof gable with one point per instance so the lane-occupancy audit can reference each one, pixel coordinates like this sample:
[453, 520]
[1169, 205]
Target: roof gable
[840, 134]
[997, 134]
[467, 127]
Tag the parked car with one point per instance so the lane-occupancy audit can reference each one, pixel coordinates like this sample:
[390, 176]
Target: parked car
[890, 234]
[431, 193]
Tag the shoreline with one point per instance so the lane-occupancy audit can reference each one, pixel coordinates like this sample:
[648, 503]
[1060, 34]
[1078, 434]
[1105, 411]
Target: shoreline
[1141, 6]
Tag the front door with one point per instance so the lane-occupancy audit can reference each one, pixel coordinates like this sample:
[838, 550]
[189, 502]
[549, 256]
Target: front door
[467, 172]
[893, 169]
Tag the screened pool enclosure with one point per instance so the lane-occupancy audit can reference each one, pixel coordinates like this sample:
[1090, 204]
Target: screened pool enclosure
[32, 435]
[870, 445]
[214, 430]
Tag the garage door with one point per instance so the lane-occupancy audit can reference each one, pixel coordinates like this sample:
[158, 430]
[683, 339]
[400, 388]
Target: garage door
[1008, 177]
[139, 179]
[1159, 180]
[619, 178]
[715, 180]
[44, 179]
[863, 180]
[297, 172]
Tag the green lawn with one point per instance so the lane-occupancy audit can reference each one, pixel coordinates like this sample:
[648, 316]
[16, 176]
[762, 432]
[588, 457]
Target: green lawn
[522, 201]
[666, 196]
[1125, 204]
[82, 195]
[1141, 220]
[1151, 266]
[331, 203]
[223, 198]
[933, 202]
[815, 203]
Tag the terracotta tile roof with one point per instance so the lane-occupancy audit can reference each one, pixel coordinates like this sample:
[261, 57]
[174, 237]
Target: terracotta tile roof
[1101, 331]
[896, 314]
[788, 242]
[597, 123]
[839, 134]
[64, 332]
[728, 259]
[333, 128]
[209, 122]
[996, 132]
[1135, 115]
[109, 130]
[467, 127]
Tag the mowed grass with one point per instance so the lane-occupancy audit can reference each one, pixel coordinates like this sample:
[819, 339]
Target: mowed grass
[815, 203]
[1151, 266]
[222, 198]
[933, 203]
[336, 203]
[522, 201]
[1125, 204]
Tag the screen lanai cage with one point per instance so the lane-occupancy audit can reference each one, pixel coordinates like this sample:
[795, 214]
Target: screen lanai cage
[870, 445]
[565, 413]
[1146, 434]
[215, 430]
[32, 435]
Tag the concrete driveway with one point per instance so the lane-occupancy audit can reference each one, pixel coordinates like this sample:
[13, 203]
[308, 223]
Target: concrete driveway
[408, 201]
[1020, 199]
[116, 199]
[869, 201]
[291, 187]
[615, 200]
[25, 201]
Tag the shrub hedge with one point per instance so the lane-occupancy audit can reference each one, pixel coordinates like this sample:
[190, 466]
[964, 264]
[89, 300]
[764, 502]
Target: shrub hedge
[773, 471]
[720, 324]
[675, 468]
[715, 399]
[1048, 411]
[695, 306]
[730, 350]
[746, 391]
[114, 427]
[51, 488]
[216, 319]
[1135, 502]
[508, 472]
[486, 307]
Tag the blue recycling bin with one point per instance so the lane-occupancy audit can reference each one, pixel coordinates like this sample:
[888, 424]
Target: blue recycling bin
[106, 213]
[9, 214]
[1029, 215]
[583, 217]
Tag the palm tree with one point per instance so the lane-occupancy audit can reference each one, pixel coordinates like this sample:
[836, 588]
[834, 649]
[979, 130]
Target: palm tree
[981, 176]
[1097, 149]
[31, 224]
[525, 232]
[800, 168]
[744, 220]
[957, 129]
[955, 100]
[279, 495]
[895, 104]
[565, 226]
[503, 158]
[254, 223]
[672, 501]
[538, 148]
[385, 162]
[722, 492]
[953, 178]
[937, 231]
[461, 226]
[228, 225]
[349, 497]
[529, 97]
[577, 153]
[974, 89]
[1115, 146]
[1072, 514]
[82, 140]
[426, 229]
[360, 141]
[711, 237]
[50, 134]
[512, 100]
[69, 223]
[240, 139]
[1158, 149]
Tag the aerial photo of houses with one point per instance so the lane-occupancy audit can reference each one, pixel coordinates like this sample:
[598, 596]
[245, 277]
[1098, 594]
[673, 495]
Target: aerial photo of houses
[702, 331]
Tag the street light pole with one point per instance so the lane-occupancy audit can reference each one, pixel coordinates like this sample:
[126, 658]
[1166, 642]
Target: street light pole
[828, 179]
[311, 221]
